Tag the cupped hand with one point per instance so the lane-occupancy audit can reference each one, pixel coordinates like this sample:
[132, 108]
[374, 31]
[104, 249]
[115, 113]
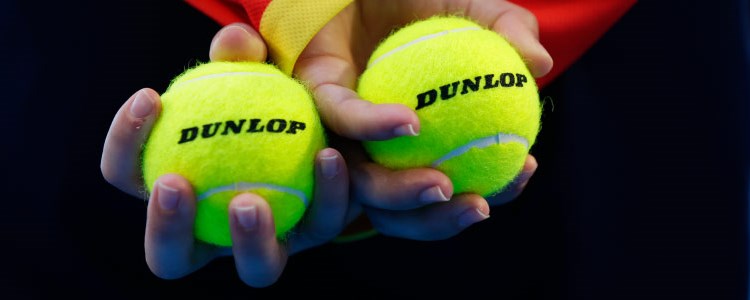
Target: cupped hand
[170, 247]
[410, 203]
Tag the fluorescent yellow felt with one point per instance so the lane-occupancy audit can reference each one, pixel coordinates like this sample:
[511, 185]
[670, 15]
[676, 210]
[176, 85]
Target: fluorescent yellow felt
[465, 83]
[230, 127]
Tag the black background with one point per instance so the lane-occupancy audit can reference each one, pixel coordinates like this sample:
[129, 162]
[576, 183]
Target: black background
[640, 194]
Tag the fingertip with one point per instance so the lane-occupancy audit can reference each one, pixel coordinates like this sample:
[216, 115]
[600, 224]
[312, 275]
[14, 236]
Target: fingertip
[172, 196]
[433, 194]
[330, 163]
[517, 186]
[326, 215]
[405, 130]
[531, 164]
[434, 222]
[541, 61]
[538, 60]
[169, 227]
[404, 120]
[438, 178]
[142, 104]
[383, 188]
[142, 107]
[476, 209]
[472, 216]
[350, 116]
[176, 181]
[259, 258]
[168, 197]
[529, 168]
[520, 27]
[328, 152]
[238, 42]
[120, 159]
[440, 191]
[251, 216]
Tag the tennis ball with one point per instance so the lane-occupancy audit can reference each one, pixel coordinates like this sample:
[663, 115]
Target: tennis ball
[476, 100]
[231, 127]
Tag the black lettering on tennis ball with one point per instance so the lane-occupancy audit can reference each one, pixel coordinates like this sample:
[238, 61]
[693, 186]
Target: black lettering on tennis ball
[232, 127]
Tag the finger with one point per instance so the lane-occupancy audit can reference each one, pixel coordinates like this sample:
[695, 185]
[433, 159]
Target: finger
[521, 29]
[333, 79]
[169, 242]
[120, 164]
[348, 115]
[327, 215]
[380, 187]
[238, 42]
[517, 186]
[384, 188]
[433, 222]
[259, 258]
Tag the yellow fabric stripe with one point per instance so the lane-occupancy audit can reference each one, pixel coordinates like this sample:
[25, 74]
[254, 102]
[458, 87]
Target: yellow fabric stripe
[288, 25]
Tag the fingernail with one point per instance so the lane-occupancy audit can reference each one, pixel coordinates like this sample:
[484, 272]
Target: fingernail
[405, 130]
[472, 216]
[247, 216]
[224, 33]
[212, 48]
[142, 105]
[329, 166]
[234, 28]
[433, 194]
[168, 197]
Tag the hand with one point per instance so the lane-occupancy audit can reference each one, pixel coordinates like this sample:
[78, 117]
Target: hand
[171, 250]
[406, 203]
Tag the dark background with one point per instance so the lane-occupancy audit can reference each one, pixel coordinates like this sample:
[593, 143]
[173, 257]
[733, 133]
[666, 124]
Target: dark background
[641, 191]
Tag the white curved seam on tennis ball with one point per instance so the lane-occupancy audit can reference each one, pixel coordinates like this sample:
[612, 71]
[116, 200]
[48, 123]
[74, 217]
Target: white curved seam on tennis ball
[500, 138]
[419, 40]
[247, 186]
[227, 74]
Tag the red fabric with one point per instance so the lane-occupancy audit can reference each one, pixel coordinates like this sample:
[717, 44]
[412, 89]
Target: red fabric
[567, 28]
[255, 9]
[223, 12]
[226, 12]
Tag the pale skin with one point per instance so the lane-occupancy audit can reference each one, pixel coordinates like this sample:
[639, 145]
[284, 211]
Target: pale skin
[415, 204]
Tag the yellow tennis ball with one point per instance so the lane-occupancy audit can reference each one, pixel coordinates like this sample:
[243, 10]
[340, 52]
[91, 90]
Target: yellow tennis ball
[231, 127]
[476, 100]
